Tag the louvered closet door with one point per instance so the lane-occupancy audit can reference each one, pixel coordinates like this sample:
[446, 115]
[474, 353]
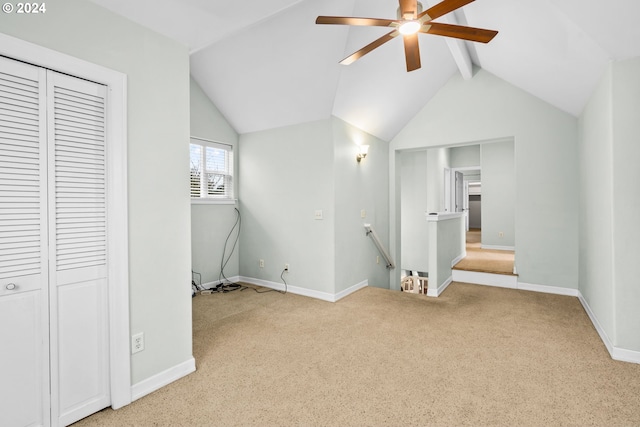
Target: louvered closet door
[77, 235]
[24, 321]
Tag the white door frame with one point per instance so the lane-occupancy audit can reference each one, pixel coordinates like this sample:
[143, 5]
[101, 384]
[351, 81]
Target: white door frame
[447, 190]
[452, 189]
[117, 207]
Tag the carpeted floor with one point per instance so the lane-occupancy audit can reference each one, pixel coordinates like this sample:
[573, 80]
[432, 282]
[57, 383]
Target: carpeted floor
[485, 260]
[477, 355]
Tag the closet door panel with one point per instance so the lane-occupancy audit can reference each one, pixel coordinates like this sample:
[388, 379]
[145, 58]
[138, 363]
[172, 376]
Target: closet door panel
[78, 263]
[24, 322]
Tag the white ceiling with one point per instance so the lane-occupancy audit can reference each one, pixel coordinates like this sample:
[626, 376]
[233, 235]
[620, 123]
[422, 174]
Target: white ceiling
[265, 63]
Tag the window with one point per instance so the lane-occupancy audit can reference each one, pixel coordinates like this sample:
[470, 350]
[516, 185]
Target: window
[211, 171]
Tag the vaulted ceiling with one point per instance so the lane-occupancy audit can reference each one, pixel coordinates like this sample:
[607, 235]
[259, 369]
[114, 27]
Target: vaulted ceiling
[266, 64]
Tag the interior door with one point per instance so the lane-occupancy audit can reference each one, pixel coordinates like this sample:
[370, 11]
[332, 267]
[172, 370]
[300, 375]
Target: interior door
[459, 196]
[24, 319]
[78, 255]
[465, 205]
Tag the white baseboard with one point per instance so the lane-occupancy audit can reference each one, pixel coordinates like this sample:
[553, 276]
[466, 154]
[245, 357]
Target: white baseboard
[325, 296]
[617, 353]
[498, 248]
[458, 258]
[624, 355]
[351, 290]
[162, 379]
[487, 279]
[440, 289]
[548, 289]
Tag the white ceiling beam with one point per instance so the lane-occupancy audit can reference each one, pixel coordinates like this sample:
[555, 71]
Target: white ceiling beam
[457, 47]
[461, 56]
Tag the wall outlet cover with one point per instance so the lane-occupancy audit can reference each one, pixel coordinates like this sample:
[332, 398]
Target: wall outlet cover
[137, 343]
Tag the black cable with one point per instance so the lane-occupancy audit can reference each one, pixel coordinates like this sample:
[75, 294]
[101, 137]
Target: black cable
[271, 290]
[227, 285]
[198, 285]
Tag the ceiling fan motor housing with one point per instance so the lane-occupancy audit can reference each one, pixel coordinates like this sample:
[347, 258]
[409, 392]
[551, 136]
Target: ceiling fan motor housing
[399, 12]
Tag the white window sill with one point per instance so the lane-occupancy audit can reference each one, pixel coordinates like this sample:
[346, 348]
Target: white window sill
[203, 201]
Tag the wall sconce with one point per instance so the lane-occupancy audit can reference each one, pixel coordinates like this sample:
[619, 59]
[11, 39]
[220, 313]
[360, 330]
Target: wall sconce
[362, 152]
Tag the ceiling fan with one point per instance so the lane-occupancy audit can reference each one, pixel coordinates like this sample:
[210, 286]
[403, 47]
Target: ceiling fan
[411, 21]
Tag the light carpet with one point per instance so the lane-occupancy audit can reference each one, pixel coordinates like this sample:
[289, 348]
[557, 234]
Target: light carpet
[485, 260]
[476, 355]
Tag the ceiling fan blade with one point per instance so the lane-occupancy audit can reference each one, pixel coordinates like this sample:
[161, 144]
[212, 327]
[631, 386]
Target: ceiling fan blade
[442, 8]
[344, 20]
[408, 9]
[368, 48]
[412, 51]
[460, 32]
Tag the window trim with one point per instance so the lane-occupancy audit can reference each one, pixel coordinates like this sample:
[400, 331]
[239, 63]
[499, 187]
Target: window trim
[216, 200]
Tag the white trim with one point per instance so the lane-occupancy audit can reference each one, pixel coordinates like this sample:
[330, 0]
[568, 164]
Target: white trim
[209, 201]
[118, 271]
[487, 279]
[437, 292]
[498, 248]
[324, 296]
[616, 353]
[603, 335]
[443, 216]
[459, 258]
[162, 379]
[351, 290]
[624, 355]
[545, 289]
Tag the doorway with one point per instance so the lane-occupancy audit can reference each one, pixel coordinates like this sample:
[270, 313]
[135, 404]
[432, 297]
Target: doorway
[490, 187]
[465, 190]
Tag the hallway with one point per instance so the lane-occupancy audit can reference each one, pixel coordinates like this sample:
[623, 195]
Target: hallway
[485, 260]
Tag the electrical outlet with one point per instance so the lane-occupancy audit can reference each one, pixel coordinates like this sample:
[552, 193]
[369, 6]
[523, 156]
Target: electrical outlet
[261, 263]
[286, 268]
[501, 234]
[137, 343]
[378, 259]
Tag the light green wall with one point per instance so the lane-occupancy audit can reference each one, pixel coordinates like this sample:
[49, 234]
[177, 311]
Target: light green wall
[596, 205]
[211, 224]
[467, 156]
[422, 191]
[206, 120]
[498, 194]
[157, 70]
[626, 212]
[437, 160]
[487, 108]
[286, 174]
[446, 243]
[610, 203]
[359, 186]
[414, 230]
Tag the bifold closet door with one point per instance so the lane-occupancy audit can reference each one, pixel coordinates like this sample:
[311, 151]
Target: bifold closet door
[24, 319]
[77, 247]
[54, 337]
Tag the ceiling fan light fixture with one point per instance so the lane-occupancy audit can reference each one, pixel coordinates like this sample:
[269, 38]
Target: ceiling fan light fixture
[409, 27]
